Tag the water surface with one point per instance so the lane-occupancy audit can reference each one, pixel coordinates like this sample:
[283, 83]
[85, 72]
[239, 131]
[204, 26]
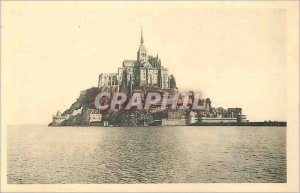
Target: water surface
[96, 155]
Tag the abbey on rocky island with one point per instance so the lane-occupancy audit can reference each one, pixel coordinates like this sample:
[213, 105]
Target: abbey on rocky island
[141, 76]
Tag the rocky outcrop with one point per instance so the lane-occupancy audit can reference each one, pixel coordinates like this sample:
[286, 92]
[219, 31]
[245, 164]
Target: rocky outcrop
[85, 100]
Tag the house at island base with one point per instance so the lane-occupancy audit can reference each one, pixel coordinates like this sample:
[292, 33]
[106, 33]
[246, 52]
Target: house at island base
[220, 115]
[93, 117]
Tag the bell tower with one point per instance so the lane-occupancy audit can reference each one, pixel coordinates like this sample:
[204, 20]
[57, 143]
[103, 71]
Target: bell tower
[142, 52]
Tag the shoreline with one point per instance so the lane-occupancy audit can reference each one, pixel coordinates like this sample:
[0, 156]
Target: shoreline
[266, 124]
[251, 124]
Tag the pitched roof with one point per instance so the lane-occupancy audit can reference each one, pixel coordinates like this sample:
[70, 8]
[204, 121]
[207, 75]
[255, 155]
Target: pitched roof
[129, 63]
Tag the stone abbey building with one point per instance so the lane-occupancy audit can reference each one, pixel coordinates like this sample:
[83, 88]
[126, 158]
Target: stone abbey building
[145, 71]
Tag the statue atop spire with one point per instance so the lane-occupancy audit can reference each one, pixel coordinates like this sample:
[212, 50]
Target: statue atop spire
[142, 39]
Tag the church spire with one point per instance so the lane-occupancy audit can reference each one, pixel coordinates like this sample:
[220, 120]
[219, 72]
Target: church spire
[142, 52]
[142, 39]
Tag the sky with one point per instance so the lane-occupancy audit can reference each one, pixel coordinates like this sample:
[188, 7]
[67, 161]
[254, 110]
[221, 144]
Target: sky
[51, 51]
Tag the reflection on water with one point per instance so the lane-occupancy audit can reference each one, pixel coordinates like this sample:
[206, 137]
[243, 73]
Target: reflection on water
[39, 154]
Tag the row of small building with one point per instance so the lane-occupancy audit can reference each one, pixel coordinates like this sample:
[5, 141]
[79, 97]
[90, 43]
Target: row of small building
[168, 117]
